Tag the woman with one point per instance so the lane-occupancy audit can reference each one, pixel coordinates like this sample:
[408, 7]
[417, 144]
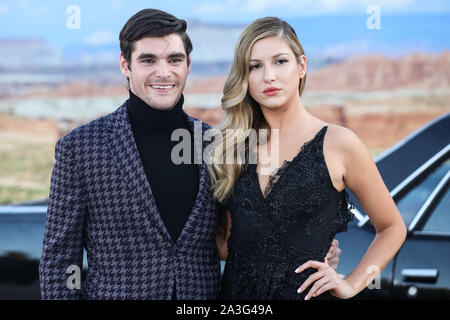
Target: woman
[280, 225]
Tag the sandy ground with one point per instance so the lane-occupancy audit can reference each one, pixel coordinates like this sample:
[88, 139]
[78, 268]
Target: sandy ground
[382, 100]
[27, 145]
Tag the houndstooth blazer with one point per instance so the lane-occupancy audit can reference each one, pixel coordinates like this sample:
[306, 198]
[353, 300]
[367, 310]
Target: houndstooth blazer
[100, 200]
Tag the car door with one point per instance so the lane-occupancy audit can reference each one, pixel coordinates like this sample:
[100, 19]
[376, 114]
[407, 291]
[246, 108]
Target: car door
[21, 237]
[421, 268]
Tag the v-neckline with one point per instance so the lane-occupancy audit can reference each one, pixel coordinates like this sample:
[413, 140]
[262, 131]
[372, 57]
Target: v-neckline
[283, 167]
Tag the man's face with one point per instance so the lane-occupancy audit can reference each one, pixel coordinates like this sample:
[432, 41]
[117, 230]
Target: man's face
[159, 70]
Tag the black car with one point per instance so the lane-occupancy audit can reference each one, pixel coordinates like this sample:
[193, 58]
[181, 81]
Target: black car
[416, 171]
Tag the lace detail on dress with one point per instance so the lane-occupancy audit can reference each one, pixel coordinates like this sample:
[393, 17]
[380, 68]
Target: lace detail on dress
[344, 215]
[273, 179]
[271, 280]
[274, 232]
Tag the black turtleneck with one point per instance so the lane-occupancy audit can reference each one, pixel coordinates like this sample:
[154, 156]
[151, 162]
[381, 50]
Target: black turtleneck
[174, 187]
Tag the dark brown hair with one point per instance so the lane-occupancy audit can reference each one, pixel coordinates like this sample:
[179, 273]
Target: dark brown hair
[151, 23]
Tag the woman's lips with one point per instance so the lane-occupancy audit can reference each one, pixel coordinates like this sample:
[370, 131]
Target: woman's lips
[271, 91]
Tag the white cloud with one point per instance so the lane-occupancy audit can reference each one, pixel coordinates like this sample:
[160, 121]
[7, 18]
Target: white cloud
[258, 8]
[23, 3]
[3, 8]
[317, 7]
[117, 5]
[209, 8]
[346, 49]
[100, 38]
[228, 7]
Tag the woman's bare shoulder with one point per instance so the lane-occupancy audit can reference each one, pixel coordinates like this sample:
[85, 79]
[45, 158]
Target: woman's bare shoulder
[344, 139]
[348, 147]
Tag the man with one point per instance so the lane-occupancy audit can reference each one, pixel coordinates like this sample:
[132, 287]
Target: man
[148, 225]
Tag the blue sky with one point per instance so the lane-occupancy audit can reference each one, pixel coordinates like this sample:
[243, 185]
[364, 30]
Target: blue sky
[103, 19]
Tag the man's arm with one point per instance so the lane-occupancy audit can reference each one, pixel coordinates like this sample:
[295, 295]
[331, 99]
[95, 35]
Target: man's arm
[63, 238]
[333, 254]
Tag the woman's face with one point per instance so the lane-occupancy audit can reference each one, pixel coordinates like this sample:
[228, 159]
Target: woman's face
[275, 73]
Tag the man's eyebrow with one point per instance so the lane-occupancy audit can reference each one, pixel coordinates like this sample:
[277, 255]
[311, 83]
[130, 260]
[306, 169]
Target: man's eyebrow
[146, 56]
[274, 57]
[176, 55]
[154, 56]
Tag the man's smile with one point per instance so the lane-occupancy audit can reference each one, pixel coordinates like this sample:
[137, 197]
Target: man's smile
[162, 87]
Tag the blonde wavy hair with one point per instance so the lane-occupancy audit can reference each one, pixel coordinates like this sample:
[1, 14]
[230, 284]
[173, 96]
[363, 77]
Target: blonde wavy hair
[242, 112]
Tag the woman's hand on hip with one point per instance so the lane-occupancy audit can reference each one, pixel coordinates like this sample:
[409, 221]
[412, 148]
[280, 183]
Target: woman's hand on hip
[325, 279]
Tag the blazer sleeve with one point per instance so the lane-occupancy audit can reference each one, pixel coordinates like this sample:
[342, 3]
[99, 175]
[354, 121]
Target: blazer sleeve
[64, 228]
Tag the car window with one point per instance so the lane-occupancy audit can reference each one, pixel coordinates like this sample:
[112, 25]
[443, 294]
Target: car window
[439, 220]
[22, 233]
[410, 203]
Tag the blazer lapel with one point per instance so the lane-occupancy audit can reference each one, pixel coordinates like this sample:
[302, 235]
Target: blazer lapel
[126, 157]
[204, 188]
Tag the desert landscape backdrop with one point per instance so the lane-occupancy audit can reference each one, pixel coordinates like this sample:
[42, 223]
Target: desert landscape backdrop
[382, 70]
[382, 99]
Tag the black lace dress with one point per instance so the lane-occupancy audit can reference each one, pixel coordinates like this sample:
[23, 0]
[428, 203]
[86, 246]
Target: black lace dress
[272, 234]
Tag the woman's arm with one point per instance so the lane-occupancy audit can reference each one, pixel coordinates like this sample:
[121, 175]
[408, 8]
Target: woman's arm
[223, 233]
[363, 179]
[361, 176]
